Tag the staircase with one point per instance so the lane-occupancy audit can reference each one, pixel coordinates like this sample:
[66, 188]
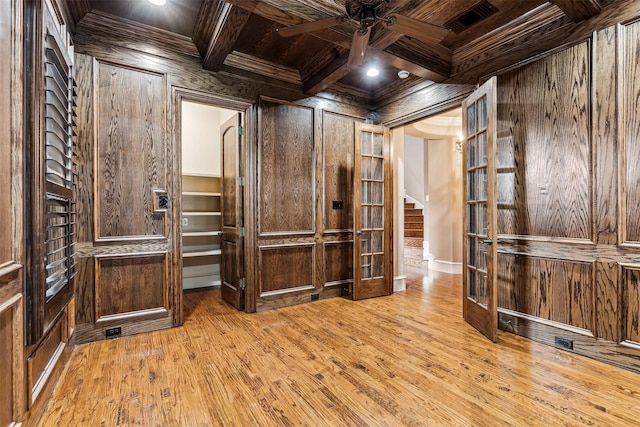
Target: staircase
[413, 221]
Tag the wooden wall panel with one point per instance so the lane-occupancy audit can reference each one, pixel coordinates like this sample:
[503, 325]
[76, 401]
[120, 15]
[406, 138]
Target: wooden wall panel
[282, 268]
[131, 151]
[84, 190]
[630, 309]
[557, 290]
[124, 284]
[6, 140]
[6, 361]
[631, 93]
[544, 109]
[605, 137]
[338, 140]
[338, 262]
[286, 185]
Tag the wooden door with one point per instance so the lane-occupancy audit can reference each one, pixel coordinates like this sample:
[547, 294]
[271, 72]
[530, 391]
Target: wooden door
[480, 222]
[232, 271]
[373, 211]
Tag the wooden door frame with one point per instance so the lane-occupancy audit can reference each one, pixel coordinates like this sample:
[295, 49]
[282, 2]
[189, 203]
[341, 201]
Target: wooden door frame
[179, 94]
[398, 123]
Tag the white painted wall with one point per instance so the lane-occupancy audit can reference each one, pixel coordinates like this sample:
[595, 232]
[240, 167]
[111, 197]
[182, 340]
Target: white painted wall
[445, 201]
[201, 138]
[414, 168]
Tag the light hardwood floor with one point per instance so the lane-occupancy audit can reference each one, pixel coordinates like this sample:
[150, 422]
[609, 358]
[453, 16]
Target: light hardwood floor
[406, 359]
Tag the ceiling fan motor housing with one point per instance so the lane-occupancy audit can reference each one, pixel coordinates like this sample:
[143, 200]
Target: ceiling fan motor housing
[364, 11]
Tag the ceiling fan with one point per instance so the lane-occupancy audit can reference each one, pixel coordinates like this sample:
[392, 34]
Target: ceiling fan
[365, 13]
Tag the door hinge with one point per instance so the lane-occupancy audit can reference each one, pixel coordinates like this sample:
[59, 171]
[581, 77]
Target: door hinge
[241, 181]
[241, 284]
[240, 130]
[241, 231]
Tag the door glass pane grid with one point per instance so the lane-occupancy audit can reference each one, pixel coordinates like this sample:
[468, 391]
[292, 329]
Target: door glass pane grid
[476, 200]
[372, 177]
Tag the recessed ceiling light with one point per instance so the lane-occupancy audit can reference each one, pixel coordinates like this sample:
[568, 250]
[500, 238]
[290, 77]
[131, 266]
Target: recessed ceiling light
[403, 74]
[372, 72]
[158, 2]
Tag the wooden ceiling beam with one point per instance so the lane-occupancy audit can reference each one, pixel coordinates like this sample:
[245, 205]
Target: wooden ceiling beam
[329, 74]
[336, 68]
[217, 29]
[578, 10]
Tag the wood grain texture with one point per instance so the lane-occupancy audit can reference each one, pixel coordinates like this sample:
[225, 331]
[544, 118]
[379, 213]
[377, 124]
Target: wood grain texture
[560, 291]
[630, 93]
[337, 137]
[125, 284]
[6, 134]
[607, 301]
[131, 151]
[95, 37]
[320, 364]
[606, 135]
[84, 189]
[338, 262]
[552, 197]
[285, 268]
[286, 163]
[421, 101]
[544, 30]
[630, 304]
[578, 10]
[218, 27]
[8, 368]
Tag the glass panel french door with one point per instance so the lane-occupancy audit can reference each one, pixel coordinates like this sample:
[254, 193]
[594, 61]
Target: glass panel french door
[480, 246]
[373, 273]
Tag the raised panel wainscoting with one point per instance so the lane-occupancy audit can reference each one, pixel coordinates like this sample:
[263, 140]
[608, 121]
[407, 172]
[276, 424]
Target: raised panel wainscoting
[568, 198]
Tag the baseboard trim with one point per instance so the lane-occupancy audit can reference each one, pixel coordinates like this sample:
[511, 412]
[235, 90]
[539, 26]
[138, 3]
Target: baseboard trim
[446, 266]
[400, 283]
[543, 331]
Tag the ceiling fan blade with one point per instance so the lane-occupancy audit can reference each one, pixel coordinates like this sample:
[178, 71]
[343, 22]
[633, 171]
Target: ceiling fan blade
[423, 31]
[308, 27]
[358, 48]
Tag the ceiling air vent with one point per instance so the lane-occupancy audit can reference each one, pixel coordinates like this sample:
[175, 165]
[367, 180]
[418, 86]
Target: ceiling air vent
[469, 17]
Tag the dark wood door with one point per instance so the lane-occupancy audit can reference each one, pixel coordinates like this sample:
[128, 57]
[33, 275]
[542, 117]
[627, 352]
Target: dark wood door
[373, 211]
[232, 271]
[480, 223]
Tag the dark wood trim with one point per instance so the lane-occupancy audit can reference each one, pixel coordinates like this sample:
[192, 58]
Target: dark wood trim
[217, 29]
[177, 96]
[578, 10]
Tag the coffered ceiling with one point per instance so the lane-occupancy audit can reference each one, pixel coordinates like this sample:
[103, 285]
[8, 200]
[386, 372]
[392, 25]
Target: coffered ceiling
[481, 37]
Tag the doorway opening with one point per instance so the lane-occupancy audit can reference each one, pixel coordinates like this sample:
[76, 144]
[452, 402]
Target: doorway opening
[432, 203]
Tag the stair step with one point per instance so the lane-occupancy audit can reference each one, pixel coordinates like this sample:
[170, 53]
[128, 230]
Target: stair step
[413, 226]
[409, 205]
[413, 233]
[413, 212]
[413, 218]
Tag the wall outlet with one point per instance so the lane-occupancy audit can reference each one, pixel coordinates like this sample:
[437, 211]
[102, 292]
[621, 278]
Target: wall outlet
[113, 332]
[185, 222]
[338, 204]
[564, 343]
[315, 297]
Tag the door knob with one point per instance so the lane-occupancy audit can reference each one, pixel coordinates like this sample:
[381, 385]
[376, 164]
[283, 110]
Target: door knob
[359, 232]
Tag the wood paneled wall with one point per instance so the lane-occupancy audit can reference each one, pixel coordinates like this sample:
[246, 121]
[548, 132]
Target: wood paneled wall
[127, 86]
[569, 195]
[304, 159]
[125, 161]
[12, 256]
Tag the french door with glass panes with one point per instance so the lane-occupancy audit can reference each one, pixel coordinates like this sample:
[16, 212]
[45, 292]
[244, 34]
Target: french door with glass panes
[373, 210]
[480, 245]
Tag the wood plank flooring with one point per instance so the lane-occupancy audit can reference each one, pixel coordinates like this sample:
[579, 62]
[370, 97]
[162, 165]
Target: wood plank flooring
[403, 360]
